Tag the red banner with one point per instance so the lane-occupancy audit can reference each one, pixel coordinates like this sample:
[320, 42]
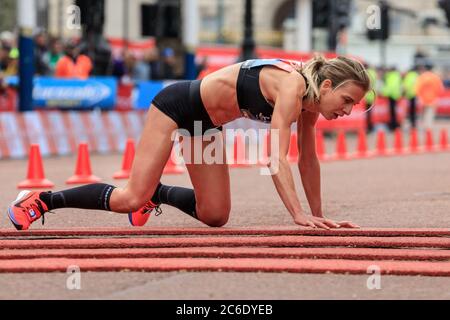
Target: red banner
[219, 57]
[125, 97]
[8, 100]
[443, 107]
[138, 48]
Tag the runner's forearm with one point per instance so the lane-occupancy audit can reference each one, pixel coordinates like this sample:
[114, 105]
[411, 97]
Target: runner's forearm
[285, 186]
[311, 180]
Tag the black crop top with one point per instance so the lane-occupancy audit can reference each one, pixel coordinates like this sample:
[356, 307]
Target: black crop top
[251, 101]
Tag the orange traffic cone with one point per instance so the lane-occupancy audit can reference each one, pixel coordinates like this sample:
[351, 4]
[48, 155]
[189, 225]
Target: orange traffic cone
[398, 142]
[429, 141]
[362, 145]
[35, 177]
[381, 143]
[320, 145]
[293, 149]
[444, 140]
[127, 161]
[171, 166]
[414, 141]
[239, 153]
[341, 147]
[83, 172]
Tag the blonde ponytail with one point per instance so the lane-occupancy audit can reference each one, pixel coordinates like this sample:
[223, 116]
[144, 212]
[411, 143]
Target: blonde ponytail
[339, 70]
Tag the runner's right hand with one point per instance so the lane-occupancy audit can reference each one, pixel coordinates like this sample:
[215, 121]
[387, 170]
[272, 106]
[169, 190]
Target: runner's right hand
[315, 222]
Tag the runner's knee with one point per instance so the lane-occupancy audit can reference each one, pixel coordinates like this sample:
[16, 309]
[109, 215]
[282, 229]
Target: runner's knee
[216, 222]
[214, 215]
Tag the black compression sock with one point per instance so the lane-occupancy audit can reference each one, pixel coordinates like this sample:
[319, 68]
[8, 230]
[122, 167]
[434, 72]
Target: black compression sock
[90, 197]
[180, 198]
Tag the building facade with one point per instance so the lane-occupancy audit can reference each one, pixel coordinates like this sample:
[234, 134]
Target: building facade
[221, 21]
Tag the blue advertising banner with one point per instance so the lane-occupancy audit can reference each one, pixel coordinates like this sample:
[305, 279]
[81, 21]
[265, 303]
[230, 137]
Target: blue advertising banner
[98, 92]
[12, 81]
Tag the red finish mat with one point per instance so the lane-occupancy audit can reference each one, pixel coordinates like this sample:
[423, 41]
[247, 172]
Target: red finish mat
[228, 231]
[394, 251]
[232, 241]
[411, 268]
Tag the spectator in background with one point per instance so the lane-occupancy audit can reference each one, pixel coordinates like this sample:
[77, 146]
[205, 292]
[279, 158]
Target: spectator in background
[409, 88]
[168, 64]
[9, 61]
[129, 65]
[141, 70]
[9, 54]
[52, 56]
[118, 66]
[3, 84]
[429, 88]
[446, 79]
[129, 68]
[98, 49]
[4, 58]
[13, 67]
[393, 91]
[152, 58]
[6, 100]
[7, 40]
[73, 64]
[40, 50]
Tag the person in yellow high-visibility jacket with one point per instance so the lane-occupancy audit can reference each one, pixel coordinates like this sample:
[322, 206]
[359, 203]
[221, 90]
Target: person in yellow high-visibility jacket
[393, 90]
[409, 89]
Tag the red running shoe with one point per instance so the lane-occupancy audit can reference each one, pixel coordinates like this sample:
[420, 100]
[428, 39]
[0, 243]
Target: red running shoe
[27, 209]
[140, 217]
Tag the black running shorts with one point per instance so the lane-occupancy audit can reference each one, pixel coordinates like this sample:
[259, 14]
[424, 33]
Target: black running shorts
[182, 102]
